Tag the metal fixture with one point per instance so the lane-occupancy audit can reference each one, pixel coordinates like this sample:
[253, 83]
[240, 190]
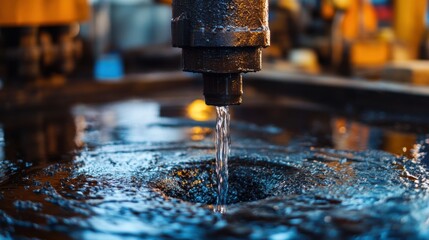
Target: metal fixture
[221, 39]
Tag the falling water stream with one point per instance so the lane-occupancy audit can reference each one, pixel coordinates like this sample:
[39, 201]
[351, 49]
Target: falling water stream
[151, 179]
[222, 142]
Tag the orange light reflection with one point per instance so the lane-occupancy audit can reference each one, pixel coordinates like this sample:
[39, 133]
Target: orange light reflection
[199, 111]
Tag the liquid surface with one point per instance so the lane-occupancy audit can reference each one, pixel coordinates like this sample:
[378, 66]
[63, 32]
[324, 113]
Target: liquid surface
[222, 145]
[145, 170]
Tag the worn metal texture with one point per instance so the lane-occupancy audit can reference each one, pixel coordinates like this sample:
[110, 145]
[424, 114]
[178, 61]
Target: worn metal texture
[221, 39]
[220, 23]
[222, 60]
[223, 89]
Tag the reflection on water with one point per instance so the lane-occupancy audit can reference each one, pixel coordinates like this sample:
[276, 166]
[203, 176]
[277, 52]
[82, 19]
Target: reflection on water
[349, 135]
[352, 135]
[399, 143]
[36, 139]
[44, 137]
[144, 169]
[3, 171]
[131, 121]
[200, 133]
[39, 138]
[1, 144]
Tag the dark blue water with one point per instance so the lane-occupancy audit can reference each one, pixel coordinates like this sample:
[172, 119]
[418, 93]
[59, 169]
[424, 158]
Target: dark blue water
[137, 170]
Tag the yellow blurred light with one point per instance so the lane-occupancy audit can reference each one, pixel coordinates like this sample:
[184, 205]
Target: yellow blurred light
[399, 143]
[340, 124]
[81, 125]
[199, 133]
[199, 111]
[349, 135]
[359, 20]
[342, 4]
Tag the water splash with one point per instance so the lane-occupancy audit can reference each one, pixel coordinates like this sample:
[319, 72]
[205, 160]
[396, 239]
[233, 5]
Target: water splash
[122, 187]
[223, 142]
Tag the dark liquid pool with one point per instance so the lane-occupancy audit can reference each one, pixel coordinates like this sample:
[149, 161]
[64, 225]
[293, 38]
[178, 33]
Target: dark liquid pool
[146, 170]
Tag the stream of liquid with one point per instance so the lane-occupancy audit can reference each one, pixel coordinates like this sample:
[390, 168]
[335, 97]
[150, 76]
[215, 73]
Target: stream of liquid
[222, 142]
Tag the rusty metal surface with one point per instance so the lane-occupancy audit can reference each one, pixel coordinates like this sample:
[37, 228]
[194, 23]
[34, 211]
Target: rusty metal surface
[220, 23]
[221, 37]
[217, 85]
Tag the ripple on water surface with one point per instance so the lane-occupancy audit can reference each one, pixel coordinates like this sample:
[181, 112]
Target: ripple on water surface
[166, 190]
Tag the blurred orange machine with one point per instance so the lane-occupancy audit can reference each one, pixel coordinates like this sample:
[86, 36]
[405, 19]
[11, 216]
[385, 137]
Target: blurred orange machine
[42, 12]
[38, 39]
[357, 39]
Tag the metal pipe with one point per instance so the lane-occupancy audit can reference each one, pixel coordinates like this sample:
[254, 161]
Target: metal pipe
[221, 39]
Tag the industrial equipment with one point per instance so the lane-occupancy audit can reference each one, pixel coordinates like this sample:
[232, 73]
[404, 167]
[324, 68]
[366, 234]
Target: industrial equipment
[221, 39]
[37, 39]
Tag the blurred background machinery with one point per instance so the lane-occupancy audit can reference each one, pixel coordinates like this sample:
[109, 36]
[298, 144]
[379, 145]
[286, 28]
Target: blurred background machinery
[38, 39]
[44, 42]
[348, 37]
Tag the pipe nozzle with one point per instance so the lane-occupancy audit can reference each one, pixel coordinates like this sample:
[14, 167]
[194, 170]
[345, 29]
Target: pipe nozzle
[223, 89]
